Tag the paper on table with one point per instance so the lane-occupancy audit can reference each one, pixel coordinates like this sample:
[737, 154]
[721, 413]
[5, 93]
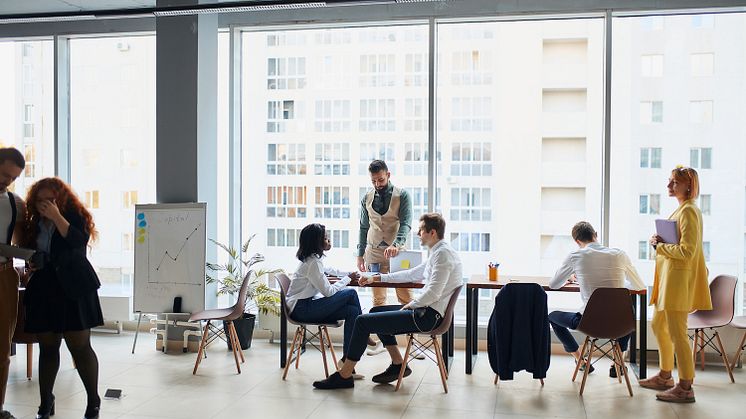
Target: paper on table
[667, 230]
[16, 252]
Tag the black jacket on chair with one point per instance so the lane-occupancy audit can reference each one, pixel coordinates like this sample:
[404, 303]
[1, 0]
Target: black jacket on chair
[518, 331]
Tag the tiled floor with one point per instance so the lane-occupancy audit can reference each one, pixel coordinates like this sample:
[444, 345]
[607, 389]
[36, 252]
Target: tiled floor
[162, 386]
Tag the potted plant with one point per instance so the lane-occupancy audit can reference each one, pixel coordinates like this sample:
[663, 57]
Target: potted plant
[229, 276]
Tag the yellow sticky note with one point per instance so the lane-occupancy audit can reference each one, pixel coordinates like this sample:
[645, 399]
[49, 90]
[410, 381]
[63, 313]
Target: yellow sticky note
[405, 264]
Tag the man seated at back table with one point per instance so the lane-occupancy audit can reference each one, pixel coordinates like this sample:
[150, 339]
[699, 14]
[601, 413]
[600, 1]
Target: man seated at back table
[441, 273]
[591, 266]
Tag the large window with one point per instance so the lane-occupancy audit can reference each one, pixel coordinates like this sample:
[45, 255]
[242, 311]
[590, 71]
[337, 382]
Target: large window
[27, 107]
[688, 116]
[112, 128]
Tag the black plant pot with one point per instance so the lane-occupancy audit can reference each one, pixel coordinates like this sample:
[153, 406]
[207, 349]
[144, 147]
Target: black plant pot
[244, 330]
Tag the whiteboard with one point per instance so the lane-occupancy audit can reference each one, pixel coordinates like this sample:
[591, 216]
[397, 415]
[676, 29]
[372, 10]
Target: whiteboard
[169, 257]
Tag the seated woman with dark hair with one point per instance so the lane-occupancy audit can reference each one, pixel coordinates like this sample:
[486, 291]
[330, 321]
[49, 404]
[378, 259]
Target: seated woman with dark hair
[311, 297]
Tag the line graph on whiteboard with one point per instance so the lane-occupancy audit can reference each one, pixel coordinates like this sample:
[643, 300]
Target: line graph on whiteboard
[172, 242]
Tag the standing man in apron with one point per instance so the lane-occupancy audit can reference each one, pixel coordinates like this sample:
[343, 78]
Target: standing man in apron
[12, 214]
[385, 222]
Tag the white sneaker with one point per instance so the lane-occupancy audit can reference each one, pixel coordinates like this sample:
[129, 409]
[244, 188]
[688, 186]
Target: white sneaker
[355, 376]
[375, 350]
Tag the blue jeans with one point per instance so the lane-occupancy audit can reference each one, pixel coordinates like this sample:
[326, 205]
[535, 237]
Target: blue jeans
[561, 321]
[387, 322]
[343, 305]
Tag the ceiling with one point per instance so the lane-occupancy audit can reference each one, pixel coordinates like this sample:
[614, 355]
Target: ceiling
[24, 7]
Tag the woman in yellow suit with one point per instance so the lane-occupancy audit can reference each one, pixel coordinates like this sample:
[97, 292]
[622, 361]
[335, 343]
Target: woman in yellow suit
[680, 287]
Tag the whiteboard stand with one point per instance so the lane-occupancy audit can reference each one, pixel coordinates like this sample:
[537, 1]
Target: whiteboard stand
[137, 331]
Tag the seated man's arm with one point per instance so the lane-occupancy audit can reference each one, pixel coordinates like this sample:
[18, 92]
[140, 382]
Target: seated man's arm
[440, 270]
[563, 273]
[415, 274]
[634, 278]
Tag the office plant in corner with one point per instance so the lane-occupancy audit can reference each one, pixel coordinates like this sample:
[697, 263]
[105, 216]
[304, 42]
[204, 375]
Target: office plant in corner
[230, 275]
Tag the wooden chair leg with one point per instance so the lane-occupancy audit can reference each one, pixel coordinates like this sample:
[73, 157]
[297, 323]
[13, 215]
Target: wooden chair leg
[738, 352]
[694, 347]
[618, 360]
[238, 343]
[588, 363]
[233, 338]
[301, 343]
[331, 346]
[441, 363]
[724, 355]
[322, 346]
[622, 370]
[497, 378]
[290, 355]
[582, 354]
[410, 337]
[702, 337]
[29, 360]
[201, 350]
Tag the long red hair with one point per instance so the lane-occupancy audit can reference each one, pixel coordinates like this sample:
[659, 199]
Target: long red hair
[66, 201]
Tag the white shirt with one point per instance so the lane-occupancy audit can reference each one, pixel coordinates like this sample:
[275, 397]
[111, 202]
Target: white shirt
[309, 281]
[597, 266]
[442, 273]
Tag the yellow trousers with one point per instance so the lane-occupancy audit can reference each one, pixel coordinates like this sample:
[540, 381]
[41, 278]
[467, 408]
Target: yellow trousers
[671, 333]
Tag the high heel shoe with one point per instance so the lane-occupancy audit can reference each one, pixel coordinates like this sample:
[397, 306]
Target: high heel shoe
[45, 415]
[91, 412]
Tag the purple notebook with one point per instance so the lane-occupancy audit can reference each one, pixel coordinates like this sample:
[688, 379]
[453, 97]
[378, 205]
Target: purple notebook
[668, 230]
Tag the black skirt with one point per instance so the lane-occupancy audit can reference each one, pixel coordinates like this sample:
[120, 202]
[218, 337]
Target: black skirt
[48, 309]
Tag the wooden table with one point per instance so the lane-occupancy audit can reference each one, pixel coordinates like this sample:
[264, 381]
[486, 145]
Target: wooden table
[447, 340]
[477, 282]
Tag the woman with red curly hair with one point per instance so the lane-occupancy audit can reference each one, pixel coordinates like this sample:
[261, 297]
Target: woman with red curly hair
[61, 298]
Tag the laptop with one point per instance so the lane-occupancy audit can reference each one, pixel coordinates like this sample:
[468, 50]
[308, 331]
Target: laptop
[406, 259]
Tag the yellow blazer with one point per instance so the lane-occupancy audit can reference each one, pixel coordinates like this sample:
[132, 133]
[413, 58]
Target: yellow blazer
[680, 272]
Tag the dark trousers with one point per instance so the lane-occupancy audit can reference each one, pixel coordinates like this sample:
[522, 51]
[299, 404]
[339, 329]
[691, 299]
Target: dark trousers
[387, 322]
[561, 321]
[343, 305]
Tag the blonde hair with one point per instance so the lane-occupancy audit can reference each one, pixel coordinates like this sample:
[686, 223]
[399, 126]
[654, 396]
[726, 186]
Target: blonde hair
[689, 176]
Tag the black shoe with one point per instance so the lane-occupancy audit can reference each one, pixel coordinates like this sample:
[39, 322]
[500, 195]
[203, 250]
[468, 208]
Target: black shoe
[334, 382]
[612, 371]
[582, 368]
[44, 413]
[91, 412]
[391, 374]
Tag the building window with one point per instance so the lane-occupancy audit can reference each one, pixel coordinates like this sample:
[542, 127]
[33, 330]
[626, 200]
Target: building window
[126, 242]
[339, 238]
[129, 199]
[373, 151]
[471, 68]
[28, 49]
[287, 38]
[29, 154]
[700, 158]
[419, 197]
[127, 158]
[286, 73]
[705, 202]
[28, 121]
[650, 157]
[703, 21]
[651, 112]
[700, 111]
[333, 37]
[471, 159]
[278, 112]
[471, 114]
[91, 199]
[332, 202]
[645, 252]
[651, 65]
[706, 250]
[377, 70]
[415, 69]
[286, 201]
[332, 159]
[650, 204]
[415, 159]
[651, 23]
[415, 114]
[702, 65]
[471, 204]
[282, 237]
[377, 115]
[332, 115]
[470, 242]
[286, 159]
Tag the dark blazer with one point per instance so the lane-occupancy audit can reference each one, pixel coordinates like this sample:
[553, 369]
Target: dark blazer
[68, 259]
[518, 331]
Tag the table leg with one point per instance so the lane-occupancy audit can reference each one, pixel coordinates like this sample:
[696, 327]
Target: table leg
[633, 338]
[283, 336]
[643, 336]
[469, 320]
[475, 323]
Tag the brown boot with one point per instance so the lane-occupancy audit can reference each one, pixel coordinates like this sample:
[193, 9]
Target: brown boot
[657, 382]
[677, 394]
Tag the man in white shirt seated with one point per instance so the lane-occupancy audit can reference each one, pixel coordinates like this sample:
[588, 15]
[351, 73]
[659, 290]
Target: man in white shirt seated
[591, 266]
[441, 273]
